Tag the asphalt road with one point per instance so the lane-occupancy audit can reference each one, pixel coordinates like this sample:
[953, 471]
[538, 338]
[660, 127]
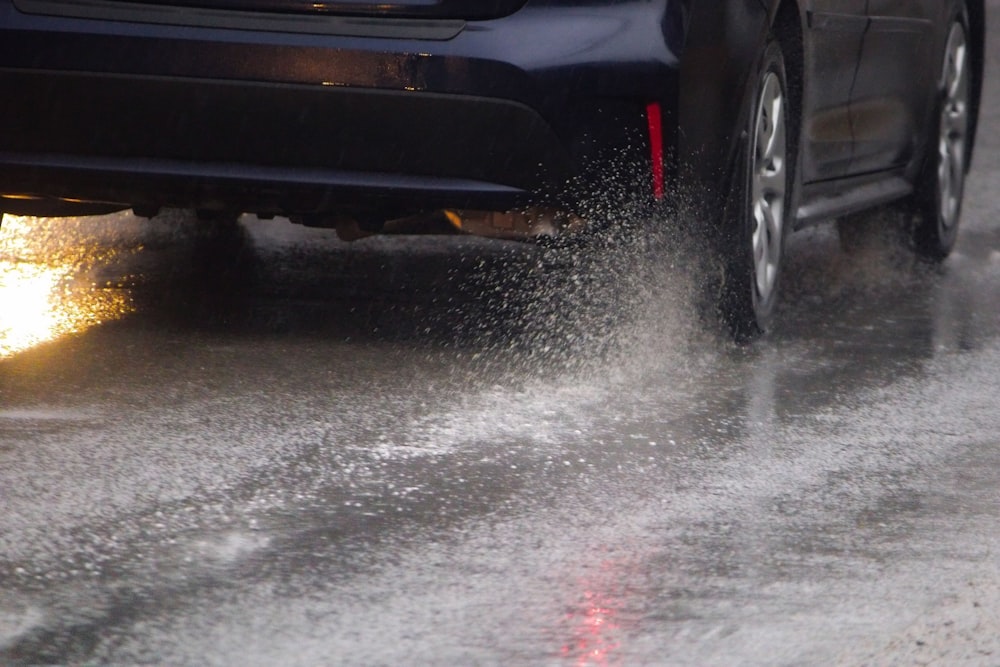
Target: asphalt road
[257, 446]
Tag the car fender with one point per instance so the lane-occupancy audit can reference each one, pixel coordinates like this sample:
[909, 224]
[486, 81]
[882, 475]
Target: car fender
[724, 42]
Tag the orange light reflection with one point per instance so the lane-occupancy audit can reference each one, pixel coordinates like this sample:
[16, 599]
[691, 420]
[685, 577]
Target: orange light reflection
[44, 293]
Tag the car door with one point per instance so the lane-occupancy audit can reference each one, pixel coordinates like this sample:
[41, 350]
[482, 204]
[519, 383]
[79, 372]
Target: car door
[896, 86]
[835, 31]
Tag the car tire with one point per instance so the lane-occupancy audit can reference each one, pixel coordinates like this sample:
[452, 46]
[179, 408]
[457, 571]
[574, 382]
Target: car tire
[759, 213]
[936, 205]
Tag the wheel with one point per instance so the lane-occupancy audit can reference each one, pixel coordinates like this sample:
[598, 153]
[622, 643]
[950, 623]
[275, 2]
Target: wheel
[937, 204]
[760, 205]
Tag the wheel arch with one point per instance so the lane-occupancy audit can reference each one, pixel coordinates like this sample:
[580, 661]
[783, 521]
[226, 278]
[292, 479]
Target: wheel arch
[977, 36]
[788, 27]
[723, 44]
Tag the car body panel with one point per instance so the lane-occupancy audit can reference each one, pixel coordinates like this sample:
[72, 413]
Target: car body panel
[723, 42]
[833, 39]
[426, 9]
[369, 108]
[895, 92]
[357, 106]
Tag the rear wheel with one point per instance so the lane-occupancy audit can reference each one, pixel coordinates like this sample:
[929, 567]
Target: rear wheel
[937, 204]
[760, 206]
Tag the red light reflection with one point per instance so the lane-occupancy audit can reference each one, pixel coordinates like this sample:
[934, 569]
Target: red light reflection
[594, 623]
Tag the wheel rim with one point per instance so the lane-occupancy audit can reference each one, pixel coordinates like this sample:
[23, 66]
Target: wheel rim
[954, 128]
[769, 183]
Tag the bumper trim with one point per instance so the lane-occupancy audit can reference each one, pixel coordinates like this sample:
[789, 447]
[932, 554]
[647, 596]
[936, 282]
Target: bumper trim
[185, 183]
[341, 26]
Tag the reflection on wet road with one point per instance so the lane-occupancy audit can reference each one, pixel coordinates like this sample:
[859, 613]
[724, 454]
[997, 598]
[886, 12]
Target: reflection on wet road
[41, 297]
[272, 447]
[256, 445]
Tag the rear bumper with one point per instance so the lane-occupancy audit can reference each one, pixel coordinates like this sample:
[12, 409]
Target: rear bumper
[135, 139]
[504, 112]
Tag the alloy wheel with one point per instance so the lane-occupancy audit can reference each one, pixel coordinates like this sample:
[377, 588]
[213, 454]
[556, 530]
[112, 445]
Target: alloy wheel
[954, 128]
[769, 182]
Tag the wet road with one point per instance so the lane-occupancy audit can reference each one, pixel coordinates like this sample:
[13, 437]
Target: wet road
[258, 446]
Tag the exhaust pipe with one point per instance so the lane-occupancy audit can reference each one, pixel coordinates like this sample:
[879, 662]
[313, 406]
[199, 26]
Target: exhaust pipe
[525, 225]
[529, 224]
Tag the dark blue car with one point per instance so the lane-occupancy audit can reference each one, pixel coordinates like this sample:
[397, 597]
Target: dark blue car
[502, 117]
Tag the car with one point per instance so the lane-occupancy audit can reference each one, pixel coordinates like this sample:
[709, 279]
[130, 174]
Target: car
[507, 118]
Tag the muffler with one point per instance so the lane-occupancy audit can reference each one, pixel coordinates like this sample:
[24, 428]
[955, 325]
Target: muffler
[524, 225]
[529, 224]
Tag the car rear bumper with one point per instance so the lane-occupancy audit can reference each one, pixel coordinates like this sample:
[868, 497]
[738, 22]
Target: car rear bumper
[504, 112]
[119, 139]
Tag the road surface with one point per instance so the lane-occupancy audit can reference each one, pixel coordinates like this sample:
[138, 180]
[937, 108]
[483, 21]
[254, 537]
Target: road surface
[258, 445]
